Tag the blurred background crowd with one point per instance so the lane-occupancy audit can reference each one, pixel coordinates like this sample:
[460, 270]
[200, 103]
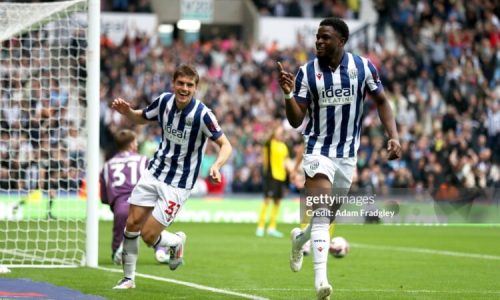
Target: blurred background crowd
[438, 61]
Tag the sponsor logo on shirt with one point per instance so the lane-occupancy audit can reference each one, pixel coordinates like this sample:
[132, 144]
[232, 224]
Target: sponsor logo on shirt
[338, 96]
[174, 135]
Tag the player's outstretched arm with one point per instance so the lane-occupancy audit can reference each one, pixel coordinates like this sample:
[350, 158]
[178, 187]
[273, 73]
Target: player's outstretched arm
[224, 154]
[123, 107]
[295, 112]
[387, 119]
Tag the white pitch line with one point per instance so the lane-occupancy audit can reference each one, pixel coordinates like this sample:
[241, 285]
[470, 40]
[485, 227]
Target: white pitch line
[189, 284]
[429, 251]
[24, 254]
[375, 291]
[417, 291]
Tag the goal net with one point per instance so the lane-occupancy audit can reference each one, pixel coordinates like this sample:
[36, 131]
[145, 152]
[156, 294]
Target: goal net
[43, 136]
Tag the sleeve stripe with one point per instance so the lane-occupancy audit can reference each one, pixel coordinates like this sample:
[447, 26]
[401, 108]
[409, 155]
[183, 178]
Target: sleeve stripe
[298, 81]
[213, 127]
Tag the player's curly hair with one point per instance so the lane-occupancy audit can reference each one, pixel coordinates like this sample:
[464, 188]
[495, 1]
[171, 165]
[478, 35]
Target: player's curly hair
[338, 25]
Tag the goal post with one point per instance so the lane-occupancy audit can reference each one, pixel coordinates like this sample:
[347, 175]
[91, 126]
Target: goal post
[49, 133]
[93, 63]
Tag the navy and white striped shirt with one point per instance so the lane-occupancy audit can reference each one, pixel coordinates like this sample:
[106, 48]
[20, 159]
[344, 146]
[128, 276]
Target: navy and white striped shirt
[178, 158]
[335, 103]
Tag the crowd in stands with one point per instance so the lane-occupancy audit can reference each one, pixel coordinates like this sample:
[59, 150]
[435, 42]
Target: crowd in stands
[42, 113]
[445, 91]
[131, 6]
[346, 9]
[442, 79]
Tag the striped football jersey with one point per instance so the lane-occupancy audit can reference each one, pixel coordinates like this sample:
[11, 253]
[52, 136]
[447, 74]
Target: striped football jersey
[178, 158]
[335, 103]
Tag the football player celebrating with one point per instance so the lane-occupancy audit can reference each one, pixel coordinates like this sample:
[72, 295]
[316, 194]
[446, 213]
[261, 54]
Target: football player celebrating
[166, 184]
[331, 89]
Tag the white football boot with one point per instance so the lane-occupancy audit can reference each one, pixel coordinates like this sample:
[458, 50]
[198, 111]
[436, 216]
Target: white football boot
[296, 257]
[324, 291]
[117, 255]
[124, 284]
[177, 252]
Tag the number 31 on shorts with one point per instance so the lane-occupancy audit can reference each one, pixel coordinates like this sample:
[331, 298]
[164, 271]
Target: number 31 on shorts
[171, 210]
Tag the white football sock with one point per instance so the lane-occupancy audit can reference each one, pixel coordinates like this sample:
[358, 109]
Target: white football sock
[167, 239]
[130, 253]
[320, 239]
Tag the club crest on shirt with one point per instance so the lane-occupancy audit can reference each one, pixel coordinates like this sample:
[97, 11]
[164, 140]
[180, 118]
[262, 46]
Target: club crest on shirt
[189, 121]
[353, 73]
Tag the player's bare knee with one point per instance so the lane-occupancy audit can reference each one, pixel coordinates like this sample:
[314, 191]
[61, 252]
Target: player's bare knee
[149, 238]
[133, 225]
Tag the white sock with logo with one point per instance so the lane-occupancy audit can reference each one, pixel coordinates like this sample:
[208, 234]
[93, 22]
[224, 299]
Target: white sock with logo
[167, 239]
[130, 253]
[320, 239]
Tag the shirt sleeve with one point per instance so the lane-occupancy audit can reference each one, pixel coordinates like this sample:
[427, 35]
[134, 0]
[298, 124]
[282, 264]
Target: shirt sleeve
[152, 111]
[210, 126]
[373, 83]
[301, 92]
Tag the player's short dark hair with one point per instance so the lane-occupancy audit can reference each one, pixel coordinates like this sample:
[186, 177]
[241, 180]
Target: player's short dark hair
[124, 138]
[338, 25]
[186, 70]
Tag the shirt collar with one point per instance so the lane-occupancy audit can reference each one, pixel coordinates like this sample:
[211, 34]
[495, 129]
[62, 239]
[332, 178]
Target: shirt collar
[186, 109]
[343, 62]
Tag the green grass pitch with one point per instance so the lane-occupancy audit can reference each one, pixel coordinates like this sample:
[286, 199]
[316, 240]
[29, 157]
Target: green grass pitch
[385, 262]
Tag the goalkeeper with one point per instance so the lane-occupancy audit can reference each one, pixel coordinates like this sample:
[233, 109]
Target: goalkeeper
[117, 180]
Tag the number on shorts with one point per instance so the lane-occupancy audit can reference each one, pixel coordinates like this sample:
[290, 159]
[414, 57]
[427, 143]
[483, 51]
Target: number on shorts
[172, 208]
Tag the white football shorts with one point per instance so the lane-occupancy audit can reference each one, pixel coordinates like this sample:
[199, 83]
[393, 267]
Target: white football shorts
[166, 200]
[338, 170]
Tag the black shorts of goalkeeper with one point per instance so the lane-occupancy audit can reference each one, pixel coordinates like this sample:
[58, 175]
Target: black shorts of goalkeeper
[274, 188]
